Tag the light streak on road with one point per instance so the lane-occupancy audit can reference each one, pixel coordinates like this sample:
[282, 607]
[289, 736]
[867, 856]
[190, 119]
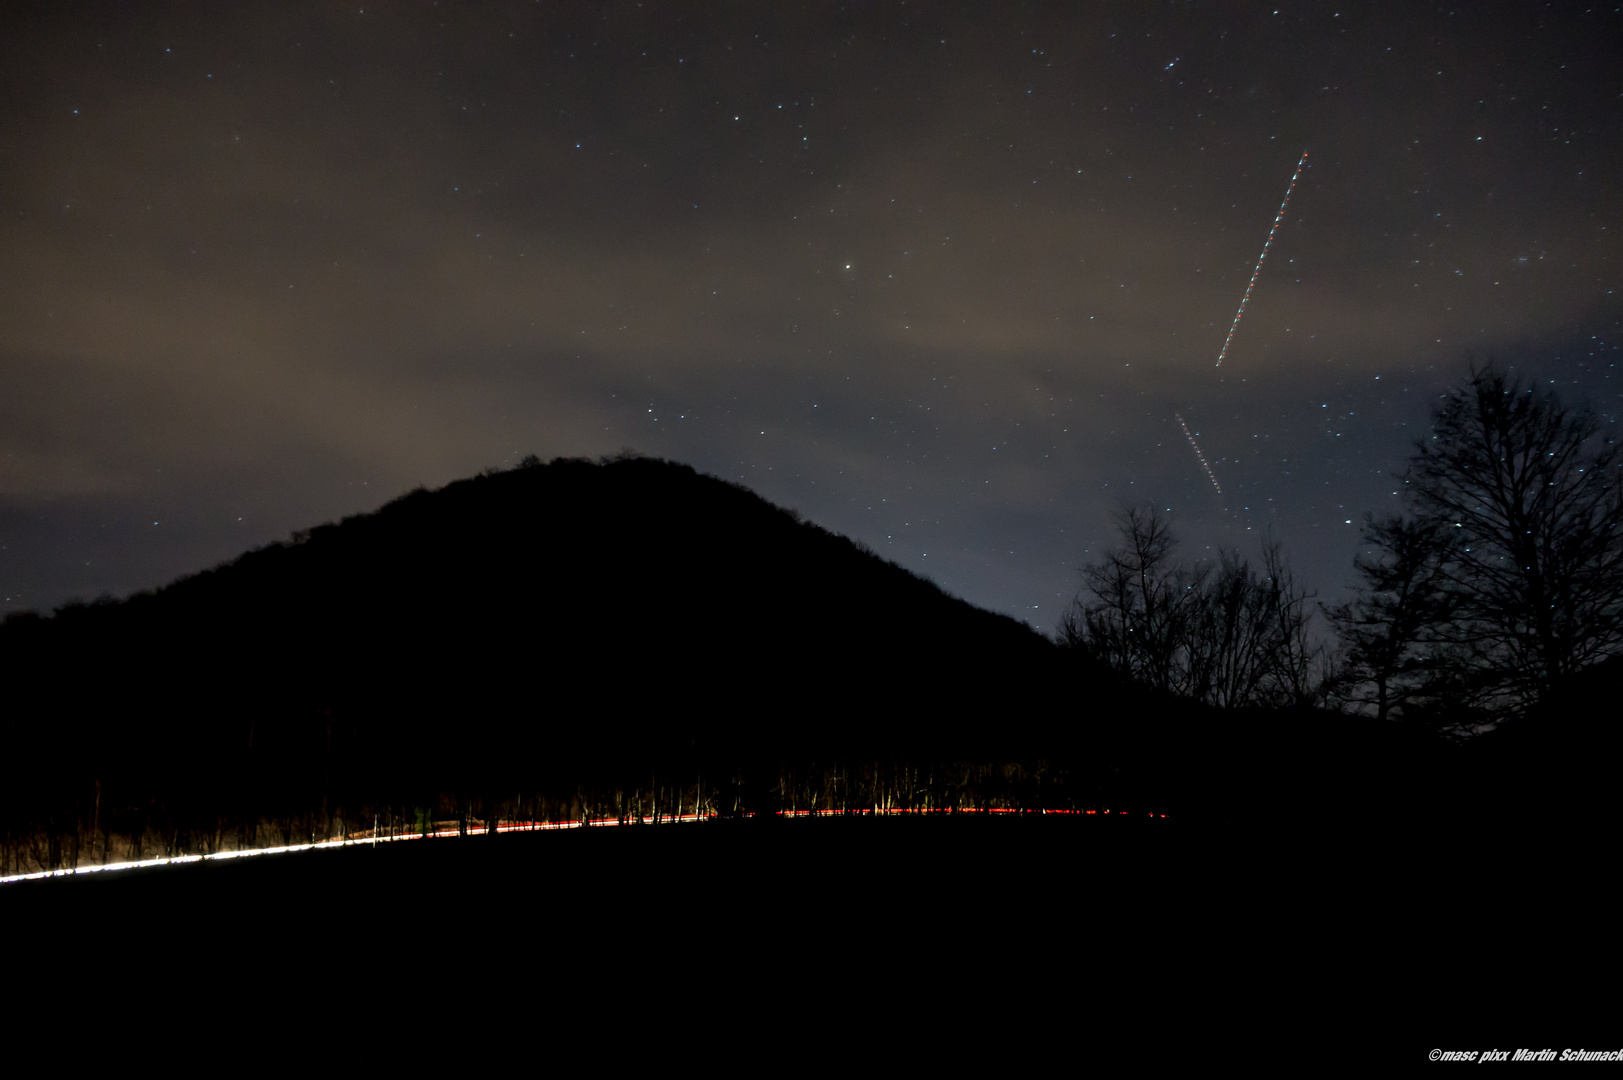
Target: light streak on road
[520, 826]
[1266, 244]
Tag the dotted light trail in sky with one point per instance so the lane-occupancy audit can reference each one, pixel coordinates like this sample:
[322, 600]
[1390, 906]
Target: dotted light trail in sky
[1266, 244]
[1193, 445]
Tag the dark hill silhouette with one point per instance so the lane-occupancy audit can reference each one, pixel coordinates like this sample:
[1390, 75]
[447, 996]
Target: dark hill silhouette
[633, 638]
[555, 627]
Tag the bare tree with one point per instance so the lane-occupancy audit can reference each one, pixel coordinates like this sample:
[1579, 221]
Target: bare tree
[1215, 631]
[1250, 640]
[1227, 659]
[1297, 661]
[1392, 633]
[1534, 491]
[1139, 620]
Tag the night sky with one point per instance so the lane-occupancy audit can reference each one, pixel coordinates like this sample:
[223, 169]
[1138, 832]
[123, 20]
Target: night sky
[941, 277]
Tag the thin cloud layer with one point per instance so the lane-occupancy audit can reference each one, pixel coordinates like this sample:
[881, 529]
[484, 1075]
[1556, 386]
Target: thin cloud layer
[275, 266]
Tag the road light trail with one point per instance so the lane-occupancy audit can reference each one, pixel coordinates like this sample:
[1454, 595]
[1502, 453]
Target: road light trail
[535, 826]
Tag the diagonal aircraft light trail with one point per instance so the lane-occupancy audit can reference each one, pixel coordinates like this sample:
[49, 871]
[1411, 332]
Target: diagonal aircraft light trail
[1193, 445]
[1266, 244]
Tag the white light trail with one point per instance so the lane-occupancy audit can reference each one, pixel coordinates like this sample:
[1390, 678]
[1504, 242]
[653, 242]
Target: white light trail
[519, 826]
[473, 830]
[1266, 244]
[1193, 445]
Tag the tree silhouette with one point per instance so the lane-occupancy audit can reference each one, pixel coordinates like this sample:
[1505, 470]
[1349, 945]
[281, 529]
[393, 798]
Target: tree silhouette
[1395, 651]
[1136, 622]
[1217, 631]
[1533, 491]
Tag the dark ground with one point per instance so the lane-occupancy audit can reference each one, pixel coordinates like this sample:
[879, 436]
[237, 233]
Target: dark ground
[1077, 933]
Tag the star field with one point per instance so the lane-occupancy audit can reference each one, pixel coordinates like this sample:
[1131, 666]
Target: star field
[950, 281]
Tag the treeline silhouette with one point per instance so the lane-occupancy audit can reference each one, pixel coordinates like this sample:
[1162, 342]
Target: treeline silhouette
[1217, 631]
[1500, 582]
[1482, 639]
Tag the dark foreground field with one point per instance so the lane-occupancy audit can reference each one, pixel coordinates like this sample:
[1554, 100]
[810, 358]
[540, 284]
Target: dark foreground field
[1063, 926]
